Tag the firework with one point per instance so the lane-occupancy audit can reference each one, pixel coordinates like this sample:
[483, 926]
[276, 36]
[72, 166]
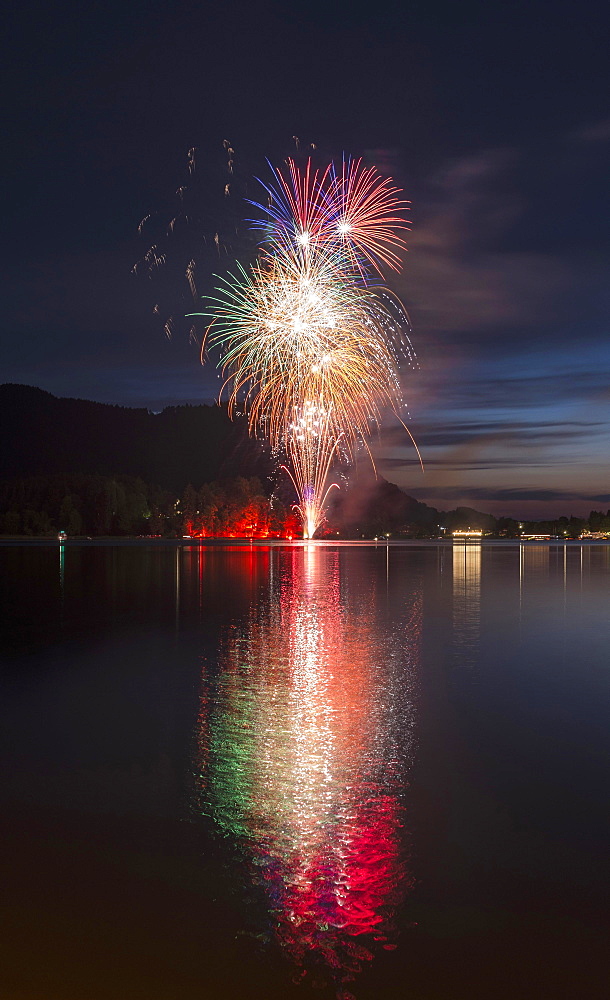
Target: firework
[298, 208]
[307, 340]
[354, 209]
[301, 745]
[197, 227]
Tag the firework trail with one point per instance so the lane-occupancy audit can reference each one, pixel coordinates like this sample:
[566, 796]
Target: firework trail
[307, 339]
[186, 237]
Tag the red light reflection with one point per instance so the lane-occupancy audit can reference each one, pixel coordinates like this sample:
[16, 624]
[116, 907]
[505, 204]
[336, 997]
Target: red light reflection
[302, 753]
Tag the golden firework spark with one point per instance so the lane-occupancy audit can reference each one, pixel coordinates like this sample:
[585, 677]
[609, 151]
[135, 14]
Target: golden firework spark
[311, 349]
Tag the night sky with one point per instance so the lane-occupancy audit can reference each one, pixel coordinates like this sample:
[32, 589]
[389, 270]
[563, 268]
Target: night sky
[494, 117]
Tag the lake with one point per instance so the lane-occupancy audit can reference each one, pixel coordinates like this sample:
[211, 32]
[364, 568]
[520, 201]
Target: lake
[293, 770]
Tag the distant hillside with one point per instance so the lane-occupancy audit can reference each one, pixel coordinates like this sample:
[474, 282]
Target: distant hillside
[44, 439]
[373, 506]
[42, 435]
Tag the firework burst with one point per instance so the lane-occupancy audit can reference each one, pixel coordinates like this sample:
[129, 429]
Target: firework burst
[354, 210]
[309, 343]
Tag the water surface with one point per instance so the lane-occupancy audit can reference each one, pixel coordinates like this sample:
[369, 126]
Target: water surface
[377, 771]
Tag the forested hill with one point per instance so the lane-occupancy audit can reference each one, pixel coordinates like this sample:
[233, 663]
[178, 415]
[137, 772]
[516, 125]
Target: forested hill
[101, 469]
[43, 435]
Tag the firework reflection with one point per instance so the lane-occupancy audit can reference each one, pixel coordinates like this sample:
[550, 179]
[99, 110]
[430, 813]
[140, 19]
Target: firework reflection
[304, 737]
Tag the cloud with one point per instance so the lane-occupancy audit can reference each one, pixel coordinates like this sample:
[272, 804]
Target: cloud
[593, 132]
[481, 493]
[462, 273]
[532, 391]
[465, 464]
[536, 503]
[519, 432]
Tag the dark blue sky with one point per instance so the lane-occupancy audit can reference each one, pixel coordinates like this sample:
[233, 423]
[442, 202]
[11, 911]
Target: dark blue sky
[495, 119]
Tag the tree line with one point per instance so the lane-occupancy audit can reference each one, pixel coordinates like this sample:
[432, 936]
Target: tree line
[241, 507]
[96, 505]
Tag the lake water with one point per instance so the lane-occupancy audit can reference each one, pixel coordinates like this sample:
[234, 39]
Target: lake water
[256, 771]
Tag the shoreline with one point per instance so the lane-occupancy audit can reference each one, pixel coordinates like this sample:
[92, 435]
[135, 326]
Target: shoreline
[227, 542]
